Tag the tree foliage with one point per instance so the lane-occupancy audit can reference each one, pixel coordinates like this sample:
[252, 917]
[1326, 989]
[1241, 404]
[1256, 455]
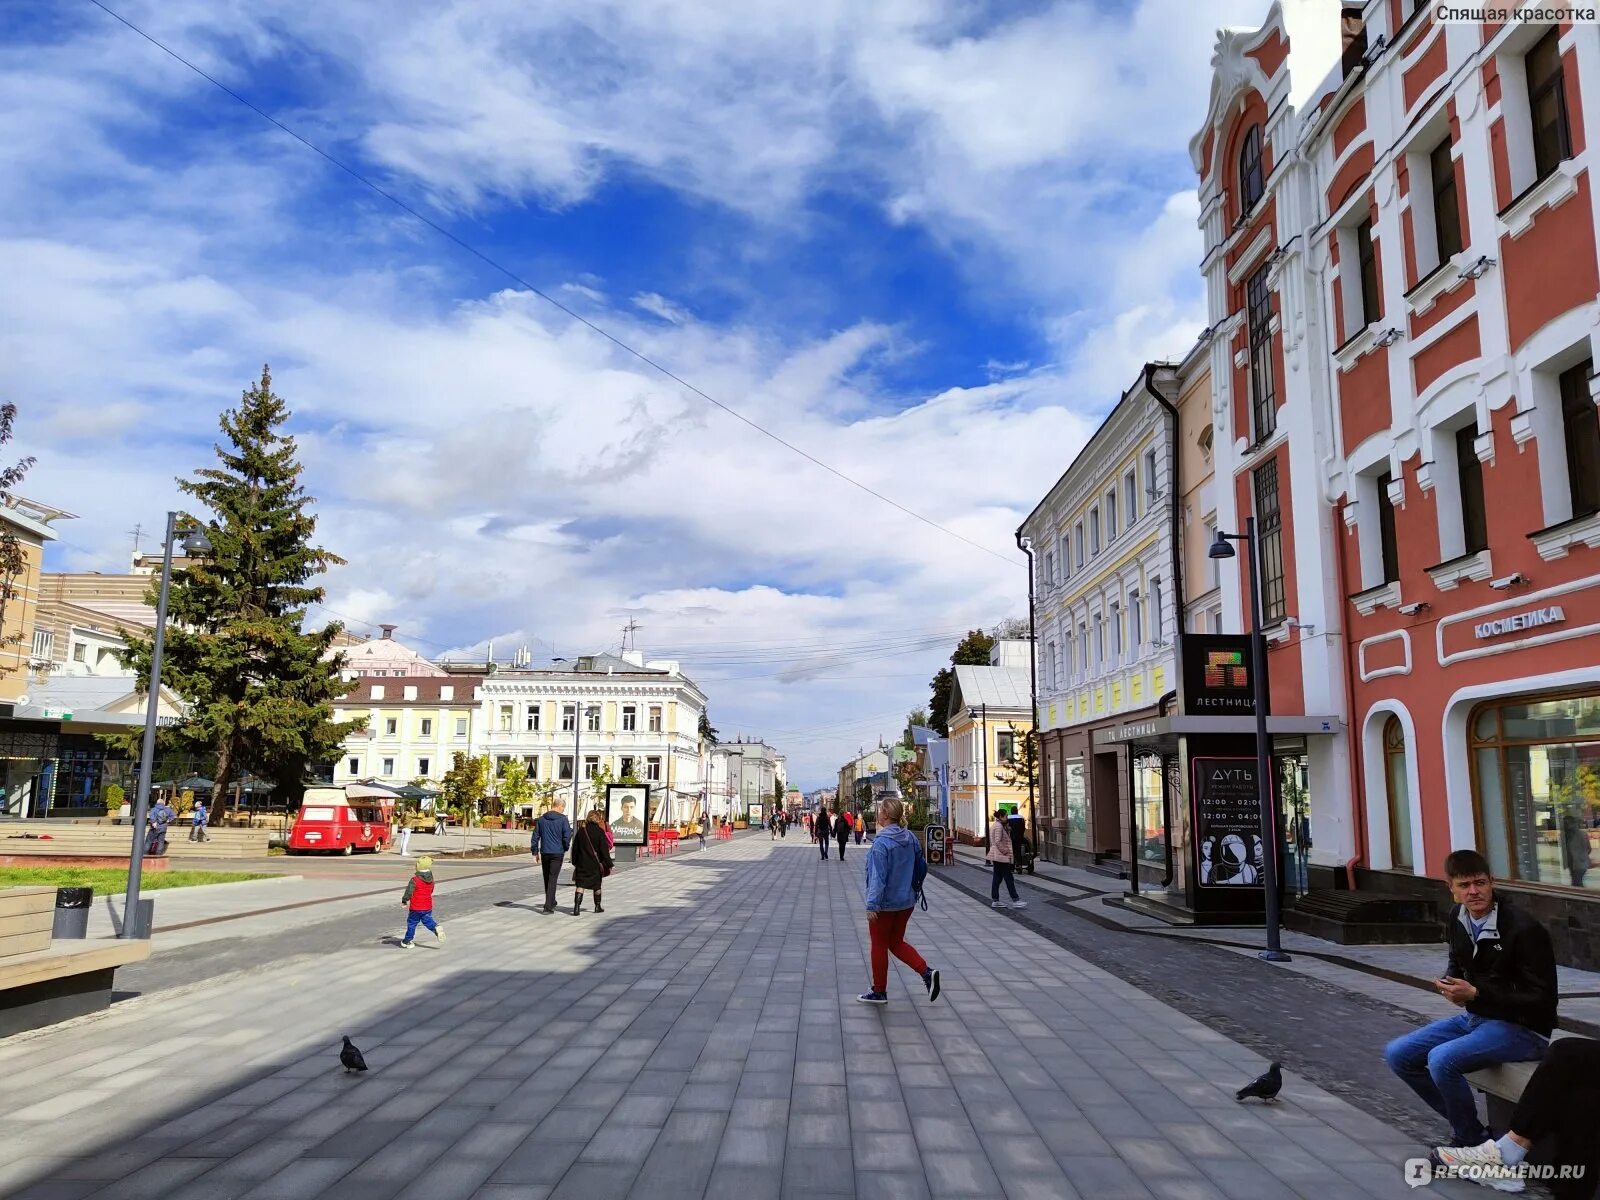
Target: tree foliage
[13, 559]
[259, 687]
[514, 787]
[708, 732]
[971, 651]
[466, 783]
[1023, 768]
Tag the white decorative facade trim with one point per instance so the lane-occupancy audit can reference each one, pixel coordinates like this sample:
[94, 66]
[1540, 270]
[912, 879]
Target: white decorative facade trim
[1554, 189]
[1385, 595]
[1468, 568]
[1559, 540]
[1368, 674]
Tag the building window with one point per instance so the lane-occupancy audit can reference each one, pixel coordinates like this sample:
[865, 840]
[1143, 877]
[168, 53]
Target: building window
[1006, 746]
[427, 726]
[1158, 634]
[1536, 787]
[461, 727]
[1269, 533]
[1469, 475]
[1099, 641]
[1111, 516]
[1050, 665]
[1386, 535]
[1049, 568]
[1367, 262]
[1252, 177]
[391, 726]
[625, 767]
[1446, 211]
[652, 768]
[1547, 103]
[591, 765]
[1083, 650]
[564, 767]
[377, 691]
[505, 718]
[44, 644]
[388, 767]
[591, 718]
[1077, 537]
[1135, 624]
[79, 652]
[534, 718]
[1065, 556]
[530, 764]
[1094, 531]
[569, 718]
[355, 766]
[447, 692]
[630, 718]
[1150, 475]
[1259, 315]
[1582, 428]
[1130, 497]
[1116, 632]
[655, 718]
[424, 767]
[1397, 781]
[1213, 565]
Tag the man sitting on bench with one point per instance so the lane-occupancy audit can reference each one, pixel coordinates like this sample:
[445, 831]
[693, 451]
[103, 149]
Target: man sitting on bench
[1502, 972]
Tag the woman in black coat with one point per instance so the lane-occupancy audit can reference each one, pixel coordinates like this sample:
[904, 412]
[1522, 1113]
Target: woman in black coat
[591, 860]
[841, 831]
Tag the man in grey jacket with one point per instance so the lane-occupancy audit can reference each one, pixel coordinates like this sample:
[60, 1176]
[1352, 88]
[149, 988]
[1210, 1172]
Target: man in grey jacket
[552, 834]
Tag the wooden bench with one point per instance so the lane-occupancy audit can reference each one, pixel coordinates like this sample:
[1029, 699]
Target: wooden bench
[56, 839]
[42, 982]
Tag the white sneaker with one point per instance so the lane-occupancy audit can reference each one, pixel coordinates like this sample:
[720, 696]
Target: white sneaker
[1481, 1164]
[996, 904]
[1019, 904]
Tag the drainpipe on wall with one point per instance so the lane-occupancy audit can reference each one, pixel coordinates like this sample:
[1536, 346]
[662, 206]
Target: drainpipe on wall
[1026, 546]
[1175, 520]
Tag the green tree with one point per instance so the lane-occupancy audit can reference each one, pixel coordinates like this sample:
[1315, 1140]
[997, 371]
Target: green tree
[515, 788]
[971, 651]
[917, 716]
[708, 733]
[1022, 769]
[13, 560]
[777, 793]
[465, 784]
[598, 782]
[259, 686]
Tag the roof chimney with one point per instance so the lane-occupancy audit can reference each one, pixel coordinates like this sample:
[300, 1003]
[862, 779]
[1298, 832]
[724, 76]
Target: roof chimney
[388, 632]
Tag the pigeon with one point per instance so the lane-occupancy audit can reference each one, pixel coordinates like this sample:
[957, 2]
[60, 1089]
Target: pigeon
[1266, 1087]
[351, 1057]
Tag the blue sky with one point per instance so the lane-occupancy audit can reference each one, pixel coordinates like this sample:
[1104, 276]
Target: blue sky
[928, 242]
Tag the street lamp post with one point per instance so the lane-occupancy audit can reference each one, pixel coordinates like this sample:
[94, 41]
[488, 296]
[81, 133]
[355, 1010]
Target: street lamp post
[194, 545]
[1267, 793]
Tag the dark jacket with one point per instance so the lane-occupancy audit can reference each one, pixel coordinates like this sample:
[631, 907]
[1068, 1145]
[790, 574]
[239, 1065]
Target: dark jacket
[822, 827]
[841, 829]
[1514, 970]
[591, 858]
[552, 834]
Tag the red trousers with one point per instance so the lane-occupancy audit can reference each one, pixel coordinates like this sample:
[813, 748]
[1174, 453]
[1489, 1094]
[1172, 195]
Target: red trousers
[888, 931]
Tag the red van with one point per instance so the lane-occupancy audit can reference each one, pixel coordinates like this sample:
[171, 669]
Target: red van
[337, 820]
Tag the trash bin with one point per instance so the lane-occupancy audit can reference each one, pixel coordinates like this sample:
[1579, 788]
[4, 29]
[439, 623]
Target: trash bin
[72, 912]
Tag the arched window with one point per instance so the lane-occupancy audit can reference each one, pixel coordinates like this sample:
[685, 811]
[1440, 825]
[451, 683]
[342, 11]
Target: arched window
[1397, 779]
[1252, 180]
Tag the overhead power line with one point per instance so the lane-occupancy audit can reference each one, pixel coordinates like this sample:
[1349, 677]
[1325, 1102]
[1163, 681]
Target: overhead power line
[499, 267]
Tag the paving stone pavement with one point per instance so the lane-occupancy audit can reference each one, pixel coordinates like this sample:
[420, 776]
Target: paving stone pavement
[699, 1039]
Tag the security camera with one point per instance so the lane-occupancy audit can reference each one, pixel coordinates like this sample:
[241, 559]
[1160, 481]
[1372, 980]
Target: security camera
[1515, 579]
[1415, 607]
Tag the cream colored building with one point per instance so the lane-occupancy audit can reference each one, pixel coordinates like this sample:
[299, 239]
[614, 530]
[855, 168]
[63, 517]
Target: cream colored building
[30, 523]
[602, 711]
[990, 714]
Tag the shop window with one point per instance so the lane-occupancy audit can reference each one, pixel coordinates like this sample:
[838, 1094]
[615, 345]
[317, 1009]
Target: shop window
[1387, 541]
[1536, 788]
[1269, 534]
[1252, 174]
[1258, 313]
[1469, 477]
[1446, 209]
[1075, 801]
[1397, 781]
[1581, 426]
[1547, 104]
[1149, 812]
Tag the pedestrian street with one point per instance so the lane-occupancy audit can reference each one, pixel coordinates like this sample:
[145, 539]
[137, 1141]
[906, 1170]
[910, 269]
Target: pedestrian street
[699, 1038]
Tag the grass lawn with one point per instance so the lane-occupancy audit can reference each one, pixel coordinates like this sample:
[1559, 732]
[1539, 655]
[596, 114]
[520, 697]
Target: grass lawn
[109, 880]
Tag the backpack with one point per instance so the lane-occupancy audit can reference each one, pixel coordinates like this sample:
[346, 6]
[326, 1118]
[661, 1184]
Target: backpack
[919, 876]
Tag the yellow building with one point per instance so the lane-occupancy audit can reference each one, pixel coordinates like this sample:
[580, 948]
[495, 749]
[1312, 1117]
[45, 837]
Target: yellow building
[414, 727]
[990, 715]
[29, 523]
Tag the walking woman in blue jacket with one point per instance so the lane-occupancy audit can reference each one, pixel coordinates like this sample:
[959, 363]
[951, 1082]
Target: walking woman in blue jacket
[896, 868]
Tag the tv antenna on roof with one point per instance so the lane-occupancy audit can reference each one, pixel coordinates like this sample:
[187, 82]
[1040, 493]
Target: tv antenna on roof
[628, 631]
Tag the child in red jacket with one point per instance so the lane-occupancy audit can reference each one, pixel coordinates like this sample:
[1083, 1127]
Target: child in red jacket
[419, 900]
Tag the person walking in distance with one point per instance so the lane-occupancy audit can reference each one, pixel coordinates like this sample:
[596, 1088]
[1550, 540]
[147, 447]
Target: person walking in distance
[591, 859]
[861, 827]
[161, 816]
[823, 830]
[552, 834]
[896, 869]
[841, 831]
[1002, 868]
[197, 830]
[418, 900]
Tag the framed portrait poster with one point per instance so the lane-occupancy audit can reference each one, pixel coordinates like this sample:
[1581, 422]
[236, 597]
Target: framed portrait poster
[626, 807]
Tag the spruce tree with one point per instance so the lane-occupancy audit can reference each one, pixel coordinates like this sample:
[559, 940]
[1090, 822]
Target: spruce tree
[259, 686]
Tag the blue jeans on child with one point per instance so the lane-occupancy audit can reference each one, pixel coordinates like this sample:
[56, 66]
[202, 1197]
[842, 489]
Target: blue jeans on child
[417, 917]
[1436, 1059]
